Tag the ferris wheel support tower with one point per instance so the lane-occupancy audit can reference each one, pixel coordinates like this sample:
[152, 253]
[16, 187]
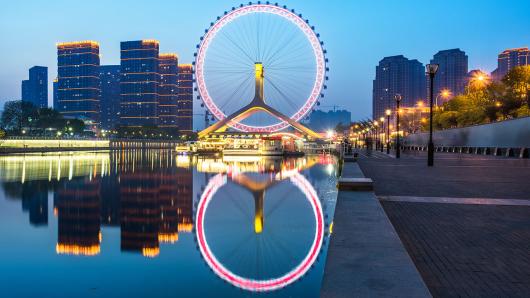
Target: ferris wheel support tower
[256, 105]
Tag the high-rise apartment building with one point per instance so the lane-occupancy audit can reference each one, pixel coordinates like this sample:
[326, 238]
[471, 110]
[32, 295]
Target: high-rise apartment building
[78, 86]
[167, 90]
[35, 89]
[397, 75]
[323, 121]
[55, 93]
[109, 76]
[185, 98]
[509, 59]
[139, 83]
[452, 72]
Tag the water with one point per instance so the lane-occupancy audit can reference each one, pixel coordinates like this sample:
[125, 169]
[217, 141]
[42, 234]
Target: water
[151, 223]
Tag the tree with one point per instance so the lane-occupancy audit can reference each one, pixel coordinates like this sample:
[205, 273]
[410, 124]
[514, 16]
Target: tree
[517, 80]
[17, 115]
[49, 118]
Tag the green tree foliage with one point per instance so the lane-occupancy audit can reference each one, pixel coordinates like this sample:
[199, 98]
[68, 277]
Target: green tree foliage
[488, 102]
[18, 115]
[21, 117]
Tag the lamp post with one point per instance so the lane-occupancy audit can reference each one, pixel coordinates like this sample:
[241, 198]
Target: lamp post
[388, 112]
[431, 70]
[382, 119]
[375, 133]
[397, 97]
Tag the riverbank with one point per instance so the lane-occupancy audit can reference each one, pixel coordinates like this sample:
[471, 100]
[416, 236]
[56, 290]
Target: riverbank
[27, 145]
[366, 257]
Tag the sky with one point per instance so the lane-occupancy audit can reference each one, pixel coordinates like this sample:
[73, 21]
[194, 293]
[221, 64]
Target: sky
[357, 34]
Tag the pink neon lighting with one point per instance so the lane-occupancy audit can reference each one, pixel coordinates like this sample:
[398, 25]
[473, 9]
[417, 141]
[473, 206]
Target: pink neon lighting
[270, 284]
[293, 18]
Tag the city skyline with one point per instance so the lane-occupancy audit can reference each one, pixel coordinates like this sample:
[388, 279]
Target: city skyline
[352, 42]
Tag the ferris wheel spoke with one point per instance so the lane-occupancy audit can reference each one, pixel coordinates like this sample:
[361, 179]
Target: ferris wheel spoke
[282, 46]
[239, 47]
[228, 54]
[293, 105]
[237, 247]
[233, 95]
[277, 204]
[279, 91]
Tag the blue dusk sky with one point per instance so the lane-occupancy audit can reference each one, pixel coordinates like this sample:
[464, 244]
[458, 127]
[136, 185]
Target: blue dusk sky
[357, 34]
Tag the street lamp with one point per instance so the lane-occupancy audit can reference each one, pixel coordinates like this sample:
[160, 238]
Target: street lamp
[382, 119]
[376, 130]
[445, 94]
[431, 71]
[388, 112]
[398, 98]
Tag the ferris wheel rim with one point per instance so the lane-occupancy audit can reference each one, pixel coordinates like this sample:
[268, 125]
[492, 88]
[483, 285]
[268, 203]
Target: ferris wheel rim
[301, 24]
[268, 284]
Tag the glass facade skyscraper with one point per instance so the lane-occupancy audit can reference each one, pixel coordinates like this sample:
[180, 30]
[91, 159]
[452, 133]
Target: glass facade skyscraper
[78, 86]
[35, 90]
[397, 75]
[509, 59]
[167, 90]
[452, 72]
[139, 83]
[185, 98]
[109, 76]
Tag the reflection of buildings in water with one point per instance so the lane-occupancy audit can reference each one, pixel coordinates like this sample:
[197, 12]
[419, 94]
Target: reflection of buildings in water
[34, 197]
[185, 199]
[78, 211]
[156, 201]
[50, 167]
[140, 212]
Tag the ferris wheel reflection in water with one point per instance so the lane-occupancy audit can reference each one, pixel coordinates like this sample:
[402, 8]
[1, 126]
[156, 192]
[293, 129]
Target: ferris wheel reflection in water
[246, 231]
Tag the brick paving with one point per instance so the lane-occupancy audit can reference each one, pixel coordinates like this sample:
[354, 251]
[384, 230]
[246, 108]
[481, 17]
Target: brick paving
[461, 250]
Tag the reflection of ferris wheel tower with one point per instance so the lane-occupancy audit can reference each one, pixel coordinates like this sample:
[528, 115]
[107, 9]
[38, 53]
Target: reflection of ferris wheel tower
[264, 52]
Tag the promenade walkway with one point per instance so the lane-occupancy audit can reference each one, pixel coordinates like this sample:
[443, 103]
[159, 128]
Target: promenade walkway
[365, 256]
[465, 222]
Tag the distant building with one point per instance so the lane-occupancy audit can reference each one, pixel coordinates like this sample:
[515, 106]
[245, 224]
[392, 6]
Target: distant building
[452, 71]
[78, 86]
[109, 76]
[323, 121]
[139, 83]
[167, 90]
[397, 75]
[185, 98]
[35, 90]
[55, 94]
[509, 59]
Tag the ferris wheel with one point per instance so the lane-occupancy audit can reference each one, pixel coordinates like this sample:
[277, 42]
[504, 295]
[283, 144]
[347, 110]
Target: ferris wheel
[260, 68]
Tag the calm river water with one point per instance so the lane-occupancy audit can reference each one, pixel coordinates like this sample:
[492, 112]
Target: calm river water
[156, 224]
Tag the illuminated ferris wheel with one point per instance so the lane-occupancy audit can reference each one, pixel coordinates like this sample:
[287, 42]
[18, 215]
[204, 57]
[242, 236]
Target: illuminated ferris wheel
[260, 68]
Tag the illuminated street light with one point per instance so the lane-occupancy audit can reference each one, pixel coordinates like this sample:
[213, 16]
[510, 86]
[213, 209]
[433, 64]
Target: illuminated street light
[382, 120]
[388, 112]
[479, 79]
[445, 94]
[398, 99]
[329, 134]
[431, 71]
